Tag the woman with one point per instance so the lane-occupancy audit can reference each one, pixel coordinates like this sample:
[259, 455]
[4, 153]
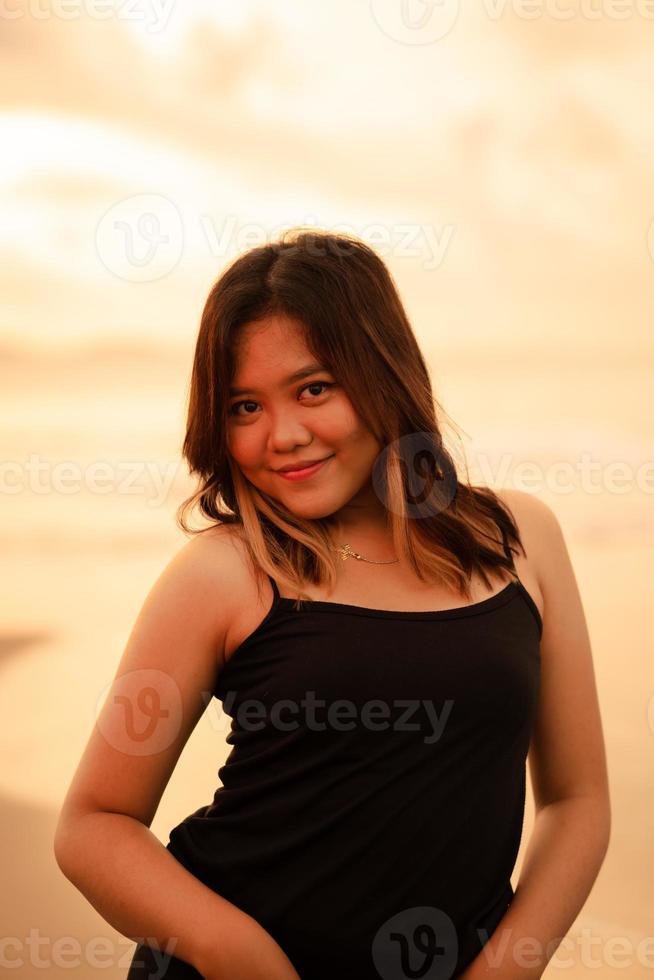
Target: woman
[391, 645]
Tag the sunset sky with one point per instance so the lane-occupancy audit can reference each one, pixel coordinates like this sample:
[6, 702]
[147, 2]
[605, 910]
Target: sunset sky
[518, 152]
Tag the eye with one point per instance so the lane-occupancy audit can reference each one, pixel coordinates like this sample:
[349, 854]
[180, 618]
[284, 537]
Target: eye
[318, 384]
[312, 384]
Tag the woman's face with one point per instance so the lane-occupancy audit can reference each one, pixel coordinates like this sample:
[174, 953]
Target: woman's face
[276, 420]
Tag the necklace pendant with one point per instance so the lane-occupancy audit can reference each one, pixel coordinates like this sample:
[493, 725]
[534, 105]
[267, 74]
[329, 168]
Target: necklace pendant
[344, 551]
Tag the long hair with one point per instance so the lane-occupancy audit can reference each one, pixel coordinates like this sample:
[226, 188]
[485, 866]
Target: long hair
[339, 290]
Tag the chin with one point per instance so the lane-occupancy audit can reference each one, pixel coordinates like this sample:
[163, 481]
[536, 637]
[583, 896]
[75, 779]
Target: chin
[312, 510]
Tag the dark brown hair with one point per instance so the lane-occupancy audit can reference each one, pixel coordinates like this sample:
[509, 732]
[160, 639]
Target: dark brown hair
[339, 290]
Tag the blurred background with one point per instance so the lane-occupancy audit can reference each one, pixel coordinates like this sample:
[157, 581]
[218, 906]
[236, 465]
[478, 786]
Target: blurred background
[499, 157]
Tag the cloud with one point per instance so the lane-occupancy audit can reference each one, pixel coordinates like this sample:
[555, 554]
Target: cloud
[528, 137]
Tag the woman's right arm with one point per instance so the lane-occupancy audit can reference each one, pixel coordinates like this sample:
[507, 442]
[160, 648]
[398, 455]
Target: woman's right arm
[103, 843]
[137, 886]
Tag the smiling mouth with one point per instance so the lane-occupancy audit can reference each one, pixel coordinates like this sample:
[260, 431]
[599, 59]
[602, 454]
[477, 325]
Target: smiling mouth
[305, 472]
[303, 466]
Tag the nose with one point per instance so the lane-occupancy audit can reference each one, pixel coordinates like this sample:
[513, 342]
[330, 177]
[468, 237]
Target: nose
[287, 432]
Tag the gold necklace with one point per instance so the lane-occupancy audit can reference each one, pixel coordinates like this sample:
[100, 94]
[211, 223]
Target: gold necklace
[346, 552]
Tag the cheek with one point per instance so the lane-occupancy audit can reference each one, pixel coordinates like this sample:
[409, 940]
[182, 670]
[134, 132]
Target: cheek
[355, 435]
[363, 451]
[243, 447]
[341, 426]
[346, 433]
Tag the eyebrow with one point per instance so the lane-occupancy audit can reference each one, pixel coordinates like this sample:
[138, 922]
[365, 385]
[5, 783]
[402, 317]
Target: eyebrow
[303, 372]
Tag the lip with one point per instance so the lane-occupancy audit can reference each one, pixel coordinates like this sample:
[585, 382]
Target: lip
[304, 473]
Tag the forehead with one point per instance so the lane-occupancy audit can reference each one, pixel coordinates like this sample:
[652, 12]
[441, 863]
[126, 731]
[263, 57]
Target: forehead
[271, 342]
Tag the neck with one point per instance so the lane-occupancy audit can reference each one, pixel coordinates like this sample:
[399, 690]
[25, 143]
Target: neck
[370, 538]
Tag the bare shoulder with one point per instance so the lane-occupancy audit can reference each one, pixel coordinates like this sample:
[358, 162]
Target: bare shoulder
[551, 558]
[217, 563]
[539, 530]
[527, 514]
[530, 505]
[221, 558]
[215, 550]
[204, 561]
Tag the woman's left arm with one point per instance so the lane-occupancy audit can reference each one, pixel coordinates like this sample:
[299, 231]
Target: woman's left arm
[567, 765]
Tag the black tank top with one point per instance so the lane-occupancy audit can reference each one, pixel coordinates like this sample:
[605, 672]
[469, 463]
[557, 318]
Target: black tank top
[372, 803]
